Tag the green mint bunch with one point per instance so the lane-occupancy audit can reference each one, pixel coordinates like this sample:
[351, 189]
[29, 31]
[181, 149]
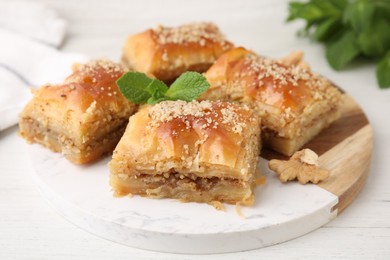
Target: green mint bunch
[139, 88]
[349, 29]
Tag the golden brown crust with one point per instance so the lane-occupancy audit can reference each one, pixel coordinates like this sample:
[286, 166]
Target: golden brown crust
[86, 108]
[289, 98]
[195, 140]
[168, 52]
[88, 84]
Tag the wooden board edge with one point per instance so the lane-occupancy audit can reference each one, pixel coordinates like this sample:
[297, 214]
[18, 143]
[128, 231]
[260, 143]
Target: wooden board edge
[348, 163]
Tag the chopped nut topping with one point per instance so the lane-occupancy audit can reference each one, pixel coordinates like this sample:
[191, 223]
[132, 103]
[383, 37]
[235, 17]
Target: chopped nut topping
[93, 65]
[289, 87]
[280, 73]
[228, 114]
[91, 108]
[194, 32]
[303, 165]
[97, 77]
[164, 56]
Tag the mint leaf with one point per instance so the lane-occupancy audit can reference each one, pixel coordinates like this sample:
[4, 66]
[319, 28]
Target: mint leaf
[341, 51]
[327, 29]
[158, 89]
[382, 8]
[314, 11]
[294, 9]
[359, 14]
[375, 40]
[133, 85]
[307, 11]
[157, 86]
[350, 28]
[328, 8]
[339, 4]
[139, 88]
[154, 100]
[383, 71]
[188, 86]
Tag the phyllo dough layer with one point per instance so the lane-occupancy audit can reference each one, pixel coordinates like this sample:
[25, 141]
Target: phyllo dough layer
[84, 117]
[167, 52]
[198, 151]
[294, 103]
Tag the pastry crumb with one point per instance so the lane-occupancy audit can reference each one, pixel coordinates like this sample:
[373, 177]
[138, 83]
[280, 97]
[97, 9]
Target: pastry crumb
[303, 166]
[217, 205]
[238, 210]
[261, 180]
[189, 33]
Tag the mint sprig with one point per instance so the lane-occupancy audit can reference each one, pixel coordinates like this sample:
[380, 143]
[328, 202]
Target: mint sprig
[383, 71]
[350, 29]
[139, 88]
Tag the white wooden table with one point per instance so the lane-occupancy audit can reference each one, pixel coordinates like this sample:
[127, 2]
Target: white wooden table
[31, 229]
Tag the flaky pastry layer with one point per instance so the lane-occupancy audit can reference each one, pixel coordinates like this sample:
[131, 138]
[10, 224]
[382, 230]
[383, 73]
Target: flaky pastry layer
[167, 52]
[289, 99]
[196, 140]
[86, 110]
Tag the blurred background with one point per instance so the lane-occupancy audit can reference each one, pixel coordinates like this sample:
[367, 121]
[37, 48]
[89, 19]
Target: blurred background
[99, 28]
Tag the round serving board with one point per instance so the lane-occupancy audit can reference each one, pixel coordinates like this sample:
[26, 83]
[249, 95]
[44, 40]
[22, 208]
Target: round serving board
[281, 211]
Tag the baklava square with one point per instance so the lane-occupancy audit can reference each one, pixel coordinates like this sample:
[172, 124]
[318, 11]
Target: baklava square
[294, 103]
[167, 52]
[197, 151]
[84, 117]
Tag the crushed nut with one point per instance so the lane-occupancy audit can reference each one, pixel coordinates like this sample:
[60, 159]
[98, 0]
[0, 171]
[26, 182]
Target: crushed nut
[76, 66]
[303, 165]
[217, 205]
[309, 157]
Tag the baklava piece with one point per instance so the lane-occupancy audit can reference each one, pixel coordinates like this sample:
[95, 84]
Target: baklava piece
[84, 117]
[198, 151]
[168, 52]
[294, 103]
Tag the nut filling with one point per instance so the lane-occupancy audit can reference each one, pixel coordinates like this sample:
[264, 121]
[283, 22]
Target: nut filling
[190, 151]
[184, 187]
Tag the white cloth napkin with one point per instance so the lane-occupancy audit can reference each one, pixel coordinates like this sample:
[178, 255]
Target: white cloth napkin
[28, 34]
[35, 20]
